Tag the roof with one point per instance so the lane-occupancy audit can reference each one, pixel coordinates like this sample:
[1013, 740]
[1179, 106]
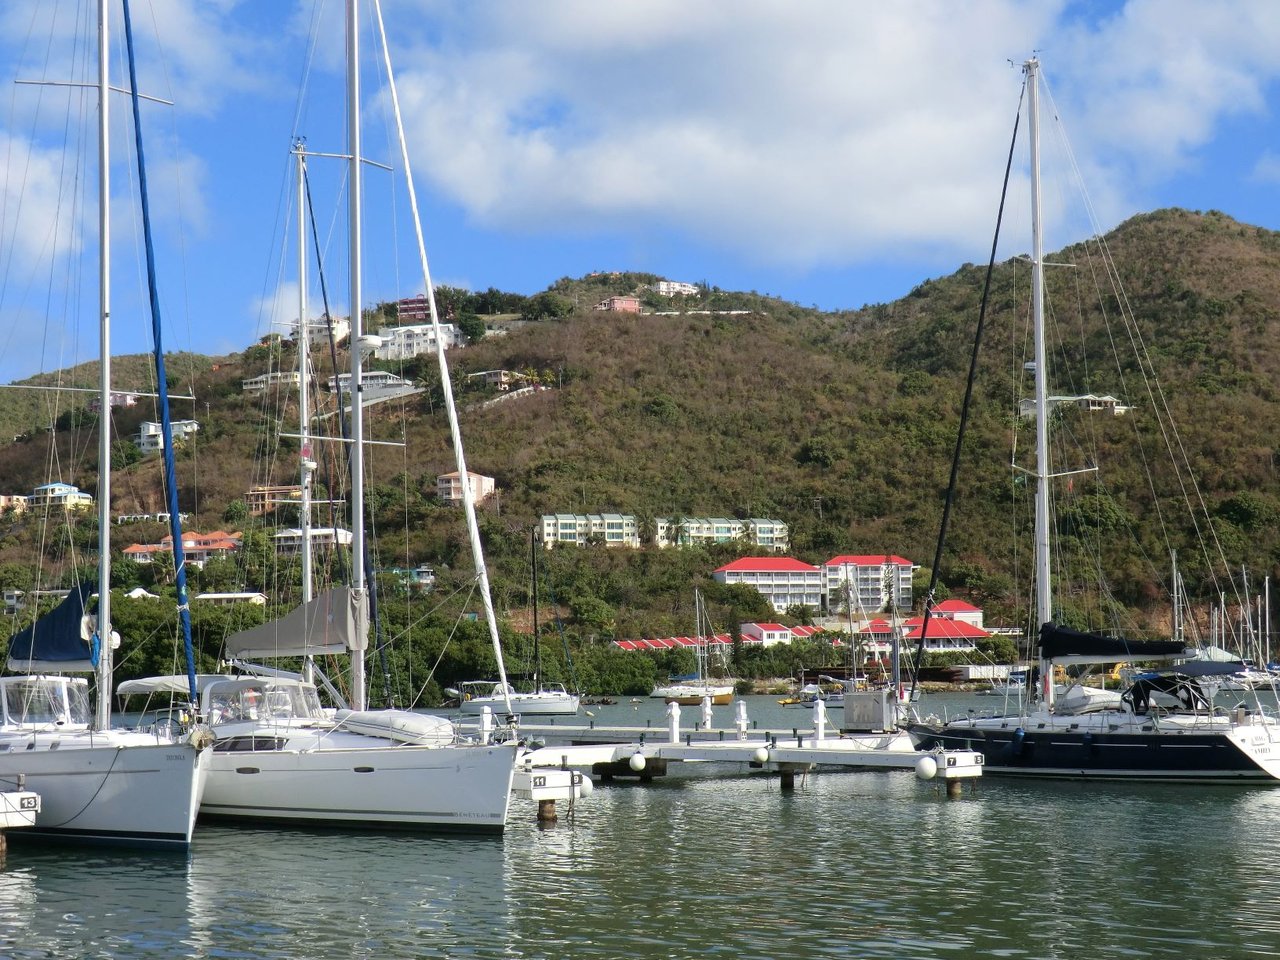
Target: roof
[803, 631]
[943, 627]
[771, 626]
[956, 606]
[767, 565]
[869, 560]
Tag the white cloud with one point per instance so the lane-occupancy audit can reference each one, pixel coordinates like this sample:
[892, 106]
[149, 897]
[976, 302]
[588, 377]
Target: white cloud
[810, 133]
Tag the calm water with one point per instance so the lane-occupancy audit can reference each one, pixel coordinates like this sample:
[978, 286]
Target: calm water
[849, 865]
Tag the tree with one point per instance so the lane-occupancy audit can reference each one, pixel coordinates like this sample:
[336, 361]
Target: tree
[471, 326]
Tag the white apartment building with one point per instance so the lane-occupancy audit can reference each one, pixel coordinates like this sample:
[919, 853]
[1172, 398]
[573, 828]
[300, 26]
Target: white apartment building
[615, 529]
[59, 495]
[278, 378]
[289, 541]
[685, 531]
[318, 331]
[783, 581]
[404, 343]
[868, 582]
[151, 435]
[449, 487]
[671, 288]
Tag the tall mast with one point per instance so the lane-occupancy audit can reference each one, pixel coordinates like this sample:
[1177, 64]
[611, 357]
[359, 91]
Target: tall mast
[102, 715]
[537, 641]
[354, 189]
[1044, 600]
[446, 386]
[306, 465]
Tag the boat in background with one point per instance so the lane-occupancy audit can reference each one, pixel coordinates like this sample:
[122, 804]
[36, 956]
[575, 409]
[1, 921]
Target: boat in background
[692, 690]
[544, 700]
[1165, 726]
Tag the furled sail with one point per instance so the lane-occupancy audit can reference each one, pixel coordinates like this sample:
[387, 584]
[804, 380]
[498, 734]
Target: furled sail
[63, 640]
[326, 625]
[1064, 645]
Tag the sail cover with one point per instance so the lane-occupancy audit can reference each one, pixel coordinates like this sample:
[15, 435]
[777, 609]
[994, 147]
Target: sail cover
[326, 625]
[62, 640]
[1073, 646]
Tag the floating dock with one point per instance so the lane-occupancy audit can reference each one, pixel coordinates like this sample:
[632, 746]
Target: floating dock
[867, 740]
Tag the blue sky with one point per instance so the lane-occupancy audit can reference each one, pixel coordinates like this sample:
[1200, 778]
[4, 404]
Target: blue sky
[833, 153]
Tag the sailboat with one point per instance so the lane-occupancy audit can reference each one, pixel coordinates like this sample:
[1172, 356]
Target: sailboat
[691, 691]
[96, 784]
[545, 699]
[1165, 726]
[280, 757]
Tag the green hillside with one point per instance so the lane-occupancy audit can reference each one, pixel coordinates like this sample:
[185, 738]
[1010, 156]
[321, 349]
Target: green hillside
[840, 424]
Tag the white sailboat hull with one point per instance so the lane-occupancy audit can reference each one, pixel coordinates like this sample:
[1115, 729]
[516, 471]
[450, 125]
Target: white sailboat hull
[692, 694]
[543, 704]
[338, 779]
[112, 787]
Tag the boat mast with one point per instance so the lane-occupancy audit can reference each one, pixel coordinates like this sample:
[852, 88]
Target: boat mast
[102, 713]
[446, 385]
[537, 644]
[1044, 602]
[306, 465]
[354, 192]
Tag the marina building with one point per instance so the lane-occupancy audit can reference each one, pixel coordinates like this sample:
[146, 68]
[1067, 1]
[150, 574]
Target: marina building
[612, 529]
[783, 581]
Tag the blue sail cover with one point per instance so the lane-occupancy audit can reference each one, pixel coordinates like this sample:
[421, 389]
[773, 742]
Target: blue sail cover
[55, 641]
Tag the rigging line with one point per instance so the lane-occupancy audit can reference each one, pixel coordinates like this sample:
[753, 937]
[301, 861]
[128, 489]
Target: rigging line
[1156, 395]
[964, 414]
[447, 641]
[175, 520]
[338, 558]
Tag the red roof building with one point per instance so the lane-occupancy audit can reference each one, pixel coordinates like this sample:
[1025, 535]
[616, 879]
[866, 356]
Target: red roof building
[783, 581]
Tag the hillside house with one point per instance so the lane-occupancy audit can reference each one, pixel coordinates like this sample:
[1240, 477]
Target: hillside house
[619, 305]
[197, 548]
[673, 288]
[449, 487]
[151, 435]
[405, 343]
[289, 542]
[266, 497]
[59, 495]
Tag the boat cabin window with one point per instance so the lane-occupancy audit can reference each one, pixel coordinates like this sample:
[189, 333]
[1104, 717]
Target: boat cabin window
[46, 701]
[237, 701]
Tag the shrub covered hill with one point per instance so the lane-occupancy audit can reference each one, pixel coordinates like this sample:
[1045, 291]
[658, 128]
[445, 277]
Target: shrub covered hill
[841, 424]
